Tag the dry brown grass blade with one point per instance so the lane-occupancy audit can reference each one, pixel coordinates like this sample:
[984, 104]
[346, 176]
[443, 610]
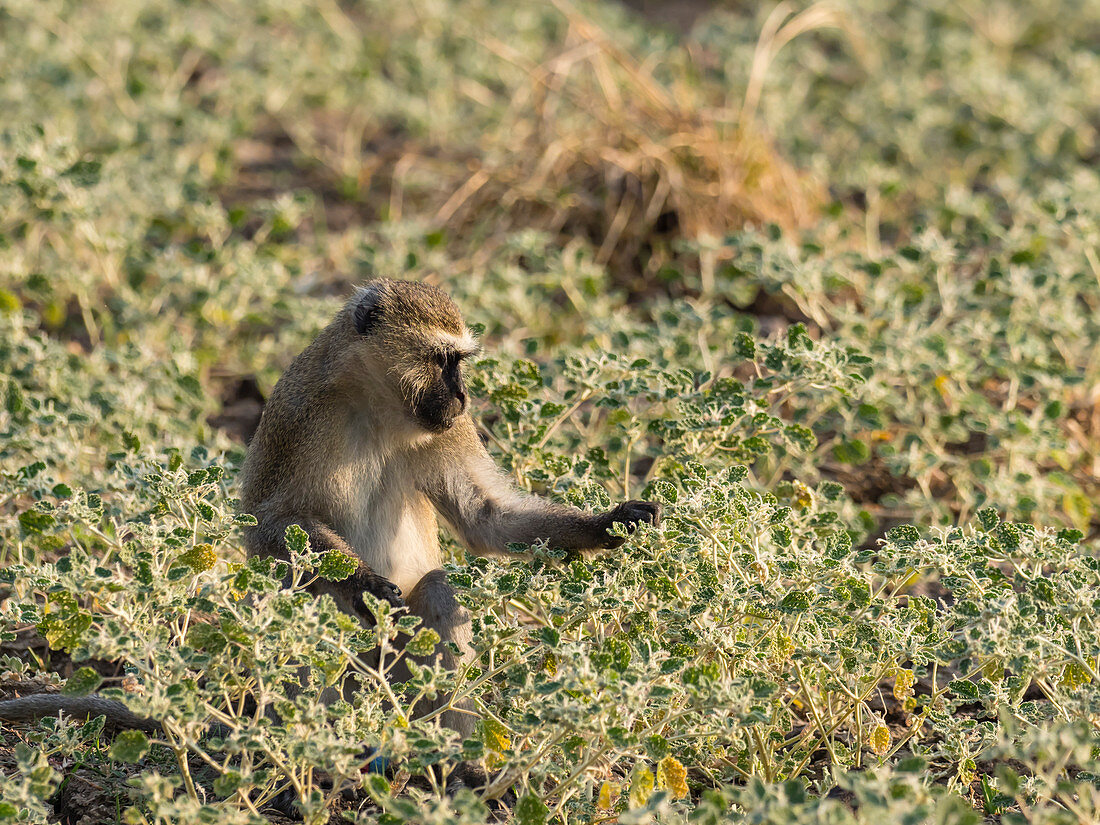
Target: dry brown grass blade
[781, 27]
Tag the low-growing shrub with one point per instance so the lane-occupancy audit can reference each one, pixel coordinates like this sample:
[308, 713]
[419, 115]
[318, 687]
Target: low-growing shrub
[832, 299]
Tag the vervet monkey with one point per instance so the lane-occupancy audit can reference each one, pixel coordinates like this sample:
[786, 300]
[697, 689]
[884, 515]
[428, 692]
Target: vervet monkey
[366, 438]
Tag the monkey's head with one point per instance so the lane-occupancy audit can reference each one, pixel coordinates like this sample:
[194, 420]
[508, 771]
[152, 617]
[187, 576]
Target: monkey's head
[413, 342]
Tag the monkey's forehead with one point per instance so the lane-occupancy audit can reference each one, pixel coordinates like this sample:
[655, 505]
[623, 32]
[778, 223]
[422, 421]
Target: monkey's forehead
[414, 304]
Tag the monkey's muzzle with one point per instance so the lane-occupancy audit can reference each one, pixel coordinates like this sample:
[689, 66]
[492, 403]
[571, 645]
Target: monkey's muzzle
[439, 417]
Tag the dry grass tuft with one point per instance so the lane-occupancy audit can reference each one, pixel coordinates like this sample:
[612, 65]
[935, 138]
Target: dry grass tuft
[597, 147]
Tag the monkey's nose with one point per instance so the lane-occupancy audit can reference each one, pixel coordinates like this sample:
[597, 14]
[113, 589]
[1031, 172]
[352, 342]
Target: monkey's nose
[460, 397]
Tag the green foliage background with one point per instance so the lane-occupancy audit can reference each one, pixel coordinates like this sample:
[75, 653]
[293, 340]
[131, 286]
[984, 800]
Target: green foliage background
[875, 594]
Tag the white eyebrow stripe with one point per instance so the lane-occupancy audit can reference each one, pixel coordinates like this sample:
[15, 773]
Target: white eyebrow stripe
[466, 343]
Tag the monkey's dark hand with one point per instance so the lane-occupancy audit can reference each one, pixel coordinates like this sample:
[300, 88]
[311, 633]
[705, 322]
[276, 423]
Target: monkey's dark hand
[630, 513]
[384, 589]
[365, 580]
[348, 593]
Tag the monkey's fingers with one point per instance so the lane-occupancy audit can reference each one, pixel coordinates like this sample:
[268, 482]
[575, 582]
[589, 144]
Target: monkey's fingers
[384, 589]
[631, 513]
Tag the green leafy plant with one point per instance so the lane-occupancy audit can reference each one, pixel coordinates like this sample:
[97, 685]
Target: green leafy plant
[874, 595]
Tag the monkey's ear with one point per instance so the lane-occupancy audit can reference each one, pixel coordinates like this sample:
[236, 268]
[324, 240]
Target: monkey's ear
[368, 311]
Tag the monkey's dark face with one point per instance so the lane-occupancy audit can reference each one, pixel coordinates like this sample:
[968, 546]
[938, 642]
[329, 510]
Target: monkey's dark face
[413, 343]
[443, 400]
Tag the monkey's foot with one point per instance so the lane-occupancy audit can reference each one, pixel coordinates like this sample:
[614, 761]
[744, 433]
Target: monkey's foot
[467, 775]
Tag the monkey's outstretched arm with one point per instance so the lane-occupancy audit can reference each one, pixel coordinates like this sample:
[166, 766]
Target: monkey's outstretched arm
[489, 513]
[268, 538]
[119, 717]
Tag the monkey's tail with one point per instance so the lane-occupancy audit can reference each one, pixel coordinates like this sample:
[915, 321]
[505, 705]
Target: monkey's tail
[119, 717]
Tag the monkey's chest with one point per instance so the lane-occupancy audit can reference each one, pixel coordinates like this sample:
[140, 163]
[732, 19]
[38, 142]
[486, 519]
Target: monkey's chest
[397, 536]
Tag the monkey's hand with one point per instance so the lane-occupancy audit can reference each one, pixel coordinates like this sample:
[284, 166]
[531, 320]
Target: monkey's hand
[630, 513]
[381, 588]
[348, 592]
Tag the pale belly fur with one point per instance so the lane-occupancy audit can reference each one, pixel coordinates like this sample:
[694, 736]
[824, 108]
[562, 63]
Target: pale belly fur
[396, 534]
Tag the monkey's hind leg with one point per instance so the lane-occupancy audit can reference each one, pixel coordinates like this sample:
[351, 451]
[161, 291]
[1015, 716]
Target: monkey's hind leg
[433, 600]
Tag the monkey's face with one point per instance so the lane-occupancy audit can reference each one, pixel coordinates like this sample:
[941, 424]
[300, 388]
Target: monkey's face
[417, 336]
[442, 398]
